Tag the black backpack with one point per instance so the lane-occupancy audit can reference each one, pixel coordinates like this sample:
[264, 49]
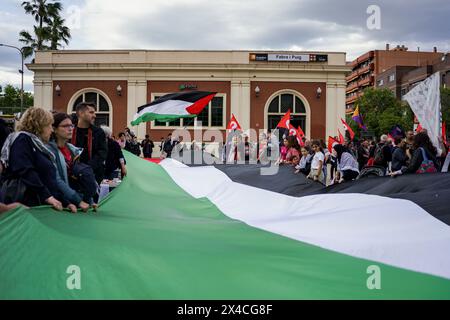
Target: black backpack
[83, 180]
[378, 157]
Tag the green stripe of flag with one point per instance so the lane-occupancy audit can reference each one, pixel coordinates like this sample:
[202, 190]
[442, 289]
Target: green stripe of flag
[149, 116]
[152, 240]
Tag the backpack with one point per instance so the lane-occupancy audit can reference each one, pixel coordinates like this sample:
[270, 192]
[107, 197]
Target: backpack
[427, 165]
[378, 158]
[83, 180]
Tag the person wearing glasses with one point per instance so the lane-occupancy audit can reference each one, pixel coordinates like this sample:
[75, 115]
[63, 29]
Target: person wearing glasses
[30, 176]
[65, 154]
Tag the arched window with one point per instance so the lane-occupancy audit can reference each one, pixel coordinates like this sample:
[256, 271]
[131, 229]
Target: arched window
[280, 104]
[102, 112]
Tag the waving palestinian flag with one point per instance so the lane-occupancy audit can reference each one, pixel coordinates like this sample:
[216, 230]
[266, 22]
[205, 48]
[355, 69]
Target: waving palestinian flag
[174, 106]
[229, 232]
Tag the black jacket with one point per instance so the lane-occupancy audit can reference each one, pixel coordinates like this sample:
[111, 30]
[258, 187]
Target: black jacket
[114, 155]
[35, 169]
[417, 160]
[99, 149]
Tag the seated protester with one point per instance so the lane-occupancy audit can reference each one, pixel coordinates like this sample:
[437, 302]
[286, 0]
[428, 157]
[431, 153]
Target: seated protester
[65, 154]
[317, 163]
[30, 174]
[295, 161]
[346, 163]
[283, 151]
[304, 165]
[292, 149]
[327, 154]
[115, 159]
[424, 157]
[399, 157]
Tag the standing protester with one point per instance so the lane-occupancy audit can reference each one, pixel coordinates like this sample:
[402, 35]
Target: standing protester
[424, 157]
[114, 159]
[409, 139]
[399, 157]
[30, 176]
[169, 144]
[147, 146]
[91, 138]
[65, 157]
[4, 133]
[383, 153]
[363, 154]
[122, 140]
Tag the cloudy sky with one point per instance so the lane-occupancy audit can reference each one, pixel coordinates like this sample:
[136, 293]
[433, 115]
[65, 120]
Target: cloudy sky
[323, 25]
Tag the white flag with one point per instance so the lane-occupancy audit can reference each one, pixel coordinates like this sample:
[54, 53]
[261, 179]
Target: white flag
[425, 101]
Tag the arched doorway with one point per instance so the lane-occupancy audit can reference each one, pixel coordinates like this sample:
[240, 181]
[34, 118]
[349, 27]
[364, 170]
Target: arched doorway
[282, 101]
[102, 102]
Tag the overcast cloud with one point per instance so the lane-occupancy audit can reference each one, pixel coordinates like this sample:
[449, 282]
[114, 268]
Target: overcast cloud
[234, 24]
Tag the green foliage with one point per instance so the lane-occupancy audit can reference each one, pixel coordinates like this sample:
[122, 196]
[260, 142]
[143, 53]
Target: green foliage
[381, 111]
[10, 100]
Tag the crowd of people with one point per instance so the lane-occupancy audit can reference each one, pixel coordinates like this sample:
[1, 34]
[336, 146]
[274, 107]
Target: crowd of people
[52, 158]
[389, 156]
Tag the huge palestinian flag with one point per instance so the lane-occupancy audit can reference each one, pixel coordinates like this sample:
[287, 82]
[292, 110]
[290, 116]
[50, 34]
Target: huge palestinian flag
[173, 106]
[175, 232]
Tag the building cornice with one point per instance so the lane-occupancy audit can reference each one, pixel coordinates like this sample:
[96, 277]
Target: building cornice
[276, 67]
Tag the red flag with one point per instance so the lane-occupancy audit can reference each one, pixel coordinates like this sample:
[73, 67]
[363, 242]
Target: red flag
[347, 127]
[331, 142]
[233, 124]
[419, 128]
[285, 121]
[444, 134]
[300, 132]
[341, 137]
[292, 130]
[300, 136]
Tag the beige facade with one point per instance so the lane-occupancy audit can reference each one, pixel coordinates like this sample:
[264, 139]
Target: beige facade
[139, 70]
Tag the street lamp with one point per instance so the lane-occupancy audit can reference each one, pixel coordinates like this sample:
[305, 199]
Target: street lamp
[20, 71]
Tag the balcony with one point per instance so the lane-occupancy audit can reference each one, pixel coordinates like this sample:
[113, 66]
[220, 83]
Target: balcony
[352, 76]
[351, 99]
[366, 69]
[366, 82]
[352, 87]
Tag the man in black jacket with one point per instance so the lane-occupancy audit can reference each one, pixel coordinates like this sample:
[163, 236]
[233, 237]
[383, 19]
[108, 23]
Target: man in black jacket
[147, 146]
[91, 138]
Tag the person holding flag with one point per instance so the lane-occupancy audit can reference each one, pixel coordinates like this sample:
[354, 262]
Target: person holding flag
[234, 131]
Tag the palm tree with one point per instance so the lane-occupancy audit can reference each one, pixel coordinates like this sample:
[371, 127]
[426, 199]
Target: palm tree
[42, 11]
[58, 32]
[31, 43]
